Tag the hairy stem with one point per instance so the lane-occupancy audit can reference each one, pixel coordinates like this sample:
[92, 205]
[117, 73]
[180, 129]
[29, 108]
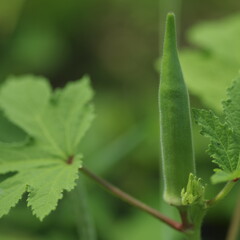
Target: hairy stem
[132, 201]
[226, 189]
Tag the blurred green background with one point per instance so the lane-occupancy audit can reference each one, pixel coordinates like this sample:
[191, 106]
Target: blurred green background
[118, 43]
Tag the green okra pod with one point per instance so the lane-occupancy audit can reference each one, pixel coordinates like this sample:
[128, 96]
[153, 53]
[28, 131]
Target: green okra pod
[175, 121]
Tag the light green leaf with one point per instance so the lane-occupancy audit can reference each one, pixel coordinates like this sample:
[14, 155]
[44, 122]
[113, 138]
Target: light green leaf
[221, 37]
[209, 69]
[222, 176]
[207, 76]
[231, 105]
[224, 144]
[11, 191]
[10, 133]
[47, 185]
[75, 115]
[49, 163]
[13, 159]
[57, 125]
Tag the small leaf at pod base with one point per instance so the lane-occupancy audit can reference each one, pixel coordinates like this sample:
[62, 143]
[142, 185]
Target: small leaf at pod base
[194, 192]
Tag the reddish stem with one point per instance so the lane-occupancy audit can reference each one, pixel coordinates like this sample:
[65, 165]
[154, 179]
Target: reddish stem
[134, 202]
[185, 221]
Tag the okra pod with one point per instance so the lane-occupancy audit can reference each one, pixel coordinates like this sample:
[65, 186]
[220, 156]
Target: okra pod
[175, 120]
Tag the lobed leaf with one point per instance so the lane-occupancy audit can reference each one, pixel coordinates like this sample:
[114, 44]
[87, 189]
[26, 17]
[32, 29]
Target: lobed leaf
[56, 121]
[11, 191]
[224, 144]
[48, 183]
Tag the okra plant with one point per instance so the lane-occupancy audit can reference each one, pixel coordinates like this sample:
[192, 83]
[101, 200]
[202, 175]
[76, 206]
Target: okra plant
[43, 158]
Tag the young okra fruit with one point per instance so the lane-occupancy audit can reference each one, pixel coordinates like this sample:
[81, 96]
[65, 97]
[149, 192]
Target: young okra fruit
[175, 120]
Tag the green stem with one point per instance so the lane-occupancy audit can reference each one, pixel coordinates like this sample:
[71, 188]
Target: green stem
[85, 225]
[192, 218]
[235, 222]
[195, 233]
[226, 189]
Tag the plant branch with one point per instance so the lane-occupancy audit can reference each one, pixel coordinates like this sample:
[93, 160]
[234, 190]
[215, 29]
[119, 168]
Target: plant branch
[184, 217]
[132, 201]
[226, 189]
[235, 222]
[85, 226]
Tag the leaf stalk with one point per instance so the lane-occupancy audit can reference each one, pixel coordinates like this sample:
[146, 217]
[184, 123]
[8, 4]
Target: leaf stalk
[226, 189]
[133, 201]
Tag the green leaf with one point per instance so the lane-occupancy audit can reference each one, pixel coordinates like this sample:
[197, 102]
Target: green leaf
[231, 105]
[207, 76]
[194, 192]
[10, 133]
[49, 163]
[47, 185]
[224, 145]
[222, 176]
[11, 191]
[216, 36]
[208, 70]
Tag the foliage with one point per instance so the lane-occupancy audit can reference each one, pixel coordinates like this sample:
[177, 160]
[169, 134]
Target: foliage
[214, 60]
[38, 42]
[49, 162]
[224, 136]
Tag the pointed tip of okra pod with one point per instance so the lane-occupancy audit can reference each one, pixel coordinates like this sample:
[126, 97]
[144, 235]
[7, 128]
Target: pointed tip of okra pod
[171, 15]
[170, 31]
